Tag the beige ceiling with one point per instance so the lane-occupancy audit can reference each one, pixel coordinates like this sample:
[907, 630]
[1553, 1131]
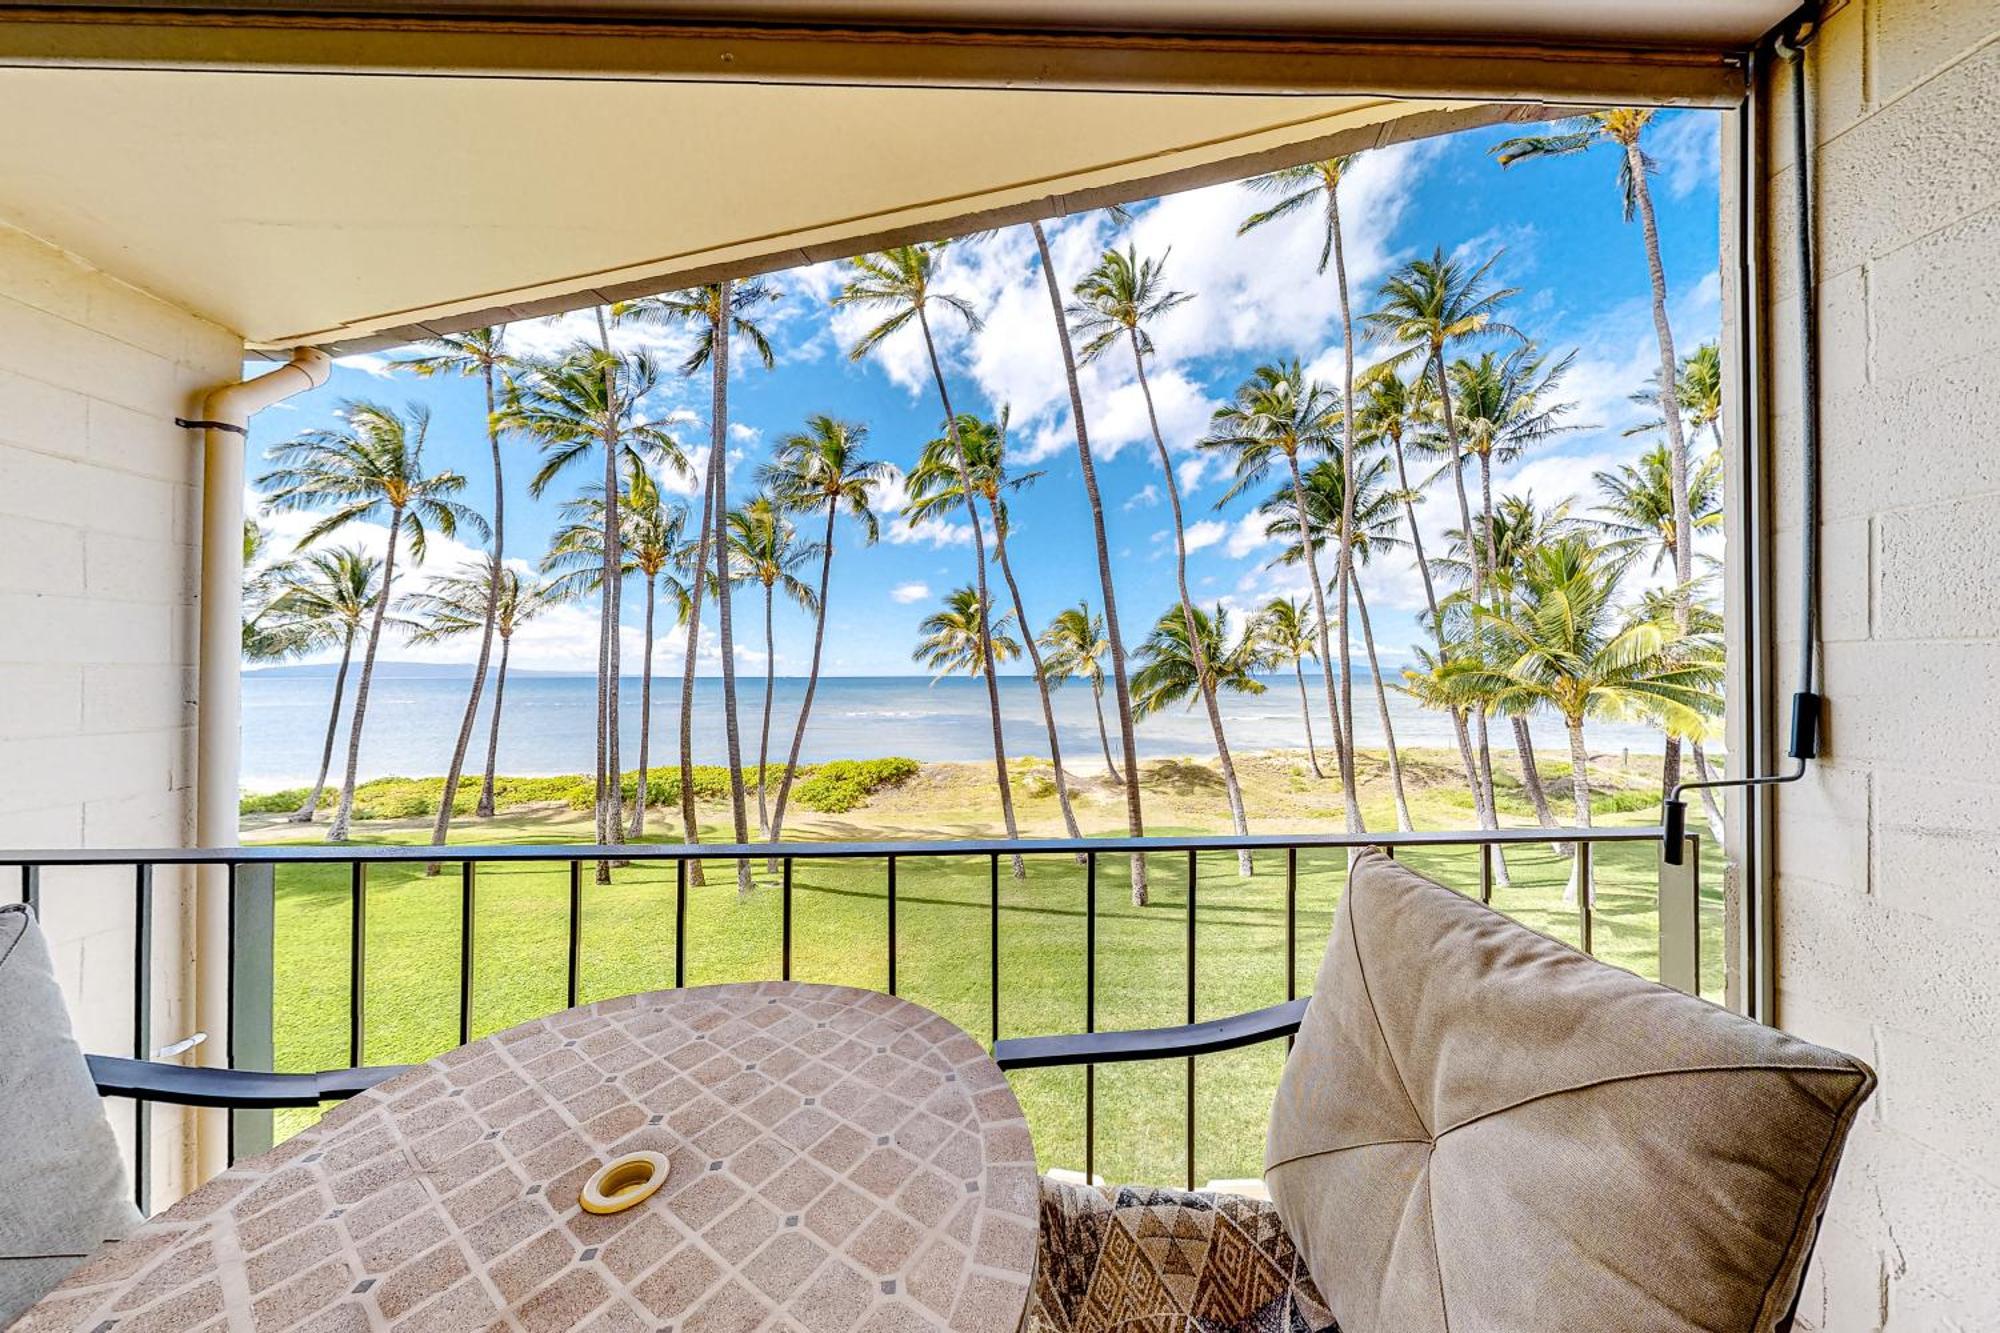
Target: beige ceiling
[298, 209]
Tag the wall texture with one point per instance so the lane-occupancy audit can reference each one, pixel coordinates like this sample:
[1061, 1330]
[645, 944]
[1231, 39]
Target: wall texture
[1887, 936]
[99, 517]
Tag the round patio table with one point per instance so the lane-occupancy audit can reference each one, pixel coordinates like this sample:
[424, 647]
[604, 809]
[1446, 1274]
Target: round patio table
[840, 1160]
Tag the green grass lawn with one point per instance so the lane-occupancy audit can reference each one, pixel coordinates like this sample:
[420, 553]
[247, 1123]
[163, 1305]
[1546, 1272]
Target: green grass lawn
[840, 935]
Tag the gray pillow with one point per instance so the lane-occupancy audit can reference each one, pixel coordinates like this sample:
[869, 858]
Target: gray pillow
[62, 1183]
[1480, 1128]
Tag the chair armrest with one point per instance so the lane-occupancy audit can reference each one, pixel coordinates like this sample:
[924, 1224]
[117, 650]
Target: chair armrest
[231, 1089]
[1219, 1034]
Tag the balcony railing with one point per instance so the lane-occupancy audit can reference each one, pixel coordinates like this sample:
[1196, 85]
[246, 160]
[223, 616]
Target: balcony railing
[1657, 933]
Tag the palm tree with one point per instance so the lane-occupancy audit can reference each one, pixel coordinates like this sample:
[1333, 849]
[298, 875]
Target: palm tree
[265, 638]
[651, 542]
[370, 466]
[1374, 529]
[1637, 501]
[764, 548]
[518, 604]
[1623, 128]
[719, 313]
[962, 637]
[1178, 669]
[1115, 302]
[1505, 406]
[1423, 309]
[821, 467]
[318, 600]
[589, 400]
[1561, 638]
[1077, 646]
[1277, 413]
[1285, 636]
[934, 486]
[475, 352]
[1135, 822]
[901, 283]
[1698, 391]
[1298, 187]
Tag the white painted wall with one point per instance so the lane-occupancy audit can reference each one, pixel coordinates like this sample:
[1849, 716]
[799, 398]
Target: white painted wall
[99, 518]
[1888, 854]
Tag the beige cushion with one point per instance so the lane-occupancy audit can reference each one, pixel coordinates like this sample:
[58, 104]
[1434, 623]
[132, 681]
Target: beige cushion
[62, 1183]
[1480, 1128]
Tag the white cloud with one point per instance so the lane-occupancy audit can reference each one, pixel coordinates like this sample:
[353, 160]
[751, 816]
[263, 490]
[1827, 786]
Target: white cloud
[1251, 533]
[1206, 533]
[892, 496]
[1145, 497]
[368, 363]
[1688, 149]
[1189, 470]
[741, 433]
[906, 593]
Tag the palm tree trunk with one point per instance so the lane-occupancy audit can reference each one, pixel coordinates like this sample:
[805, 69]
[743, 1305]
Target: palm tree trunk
[987, 671]
[1670, 415]
[1135, 823]
[1035, 664]
[643, 791]
[344, 813]
[1345, 751]
[1104, 736]
[718, 360]
[1579, 782]
[493, 728]
[690, 827]
[1709, 805]
[304, 814]
[613, 612]
[812, 681]
[764, 737]
[1204, 679]
[1403, 820]
[1306, 716]
[1531, 773]
[441, 828]
[1342, 758]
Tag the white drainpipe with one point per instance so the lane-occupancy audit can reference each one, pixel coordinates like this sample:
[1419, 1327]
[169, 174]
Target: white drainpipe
[224, 423]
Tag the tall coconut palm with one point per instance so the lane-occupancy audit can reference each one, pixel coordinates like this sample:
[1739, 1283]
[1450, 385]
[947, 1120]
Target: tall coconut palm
[1637, 501]
[473, 353]
[1285, 637]
[1277, 413]
[718, 313]
[1135, 821]
[902, 284]
[1178, 669]
[1507, 405]
[1299, 187]
[318, 600]
[1423, 309]
[583, 403]
[821, 468]
[1374, 531]
[1623, 129]
[265, 637]
[650, 545]
[765, 549]
[962, 637]
[1115, 303]
[519, 603]
[1562, 638]
[371, 466]
[935, 486]
[1076, 645]
[1698, 391]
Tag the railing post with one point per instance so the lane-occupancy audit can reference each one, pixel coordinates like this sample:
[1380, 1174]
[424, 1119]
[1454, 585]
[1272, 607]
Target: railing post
[680, 923]
[1680, 919]
[1090, 1015]
[31, 890]
[247, 1044]
[468, 885]
[993, 940]
[1586, 897]
[575, 967]
[1193, 876]
[142, 1030]
[892, 925]
[785, 972]
[357, 964]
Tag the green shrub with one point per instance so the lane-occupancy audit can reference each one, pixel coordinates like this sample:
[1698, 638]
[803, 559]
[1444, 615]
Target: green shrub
[845, 784]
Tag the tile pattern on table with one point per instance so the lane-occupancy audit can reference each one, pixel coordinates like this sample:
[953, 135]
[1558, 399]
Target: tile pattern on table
[1167, 1261]
[840, 1160]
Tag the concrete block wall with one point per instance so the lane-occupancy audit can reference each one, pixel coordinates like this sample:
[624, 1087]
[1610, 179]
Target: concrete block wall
[99, 517]
[1888, 854]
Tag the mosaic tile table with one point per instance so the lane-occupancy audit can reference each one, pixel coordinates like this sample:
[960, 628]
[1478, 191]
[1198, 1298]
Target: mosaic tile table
[841, 1160]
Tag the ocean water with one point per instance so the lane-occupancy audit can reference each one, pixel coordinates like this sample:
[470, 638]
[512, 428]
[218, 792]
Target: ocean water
[413, 719]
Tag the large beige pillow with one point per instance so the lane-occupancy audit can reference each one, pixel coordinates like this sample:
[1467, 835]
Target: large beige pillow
[1481, 1129]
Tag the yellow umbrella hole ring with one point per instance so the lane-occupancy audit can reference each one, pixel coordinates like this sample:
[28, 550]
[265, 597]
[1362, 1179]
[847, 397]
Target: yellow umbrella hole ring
[624, 1182]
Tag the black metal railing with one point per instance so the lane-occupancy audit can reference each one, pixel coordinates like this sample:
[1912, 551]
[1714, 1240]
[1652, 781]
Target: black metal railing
[1679, 914]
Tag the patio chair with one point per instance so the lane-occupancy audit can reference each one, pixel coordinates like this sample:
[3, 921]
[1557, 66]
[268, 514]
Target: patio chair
[63, 1189]
[1477, 1128]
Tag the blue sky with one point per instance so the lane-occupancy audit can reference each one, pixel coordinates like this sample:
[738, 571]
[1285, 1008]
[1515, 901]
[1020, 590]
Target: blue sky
[1562, 242]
